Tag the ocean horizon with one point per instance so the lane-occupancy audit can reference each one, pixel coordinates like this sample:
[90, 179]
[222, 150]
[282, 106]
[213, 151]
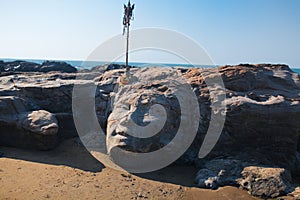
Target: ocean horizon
[90, 64]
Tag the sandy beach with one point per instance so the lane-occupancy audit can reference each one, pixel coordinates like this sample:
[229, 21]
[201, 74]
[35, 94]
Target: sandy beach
[70, 172]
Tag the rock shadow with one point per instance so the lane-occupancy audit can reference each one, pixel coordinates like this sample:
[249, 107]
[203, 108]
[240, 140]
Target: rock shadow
[69, 153]
[183, 175]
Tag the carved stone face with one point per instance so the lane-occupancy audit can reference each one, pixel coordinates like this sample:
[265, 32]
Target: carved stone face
[153, 121]
[145, 115]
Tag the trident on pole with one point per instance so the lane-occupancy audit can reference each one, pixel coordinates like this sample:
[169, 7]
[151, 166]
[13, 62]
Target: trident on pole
[128, 11]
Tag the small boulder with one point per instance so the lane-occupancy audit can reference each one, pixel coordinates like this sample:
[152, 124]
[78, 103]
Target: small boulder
[265, 182]
[40, 122]
[206, 179]
[219, 172]
[22, 125]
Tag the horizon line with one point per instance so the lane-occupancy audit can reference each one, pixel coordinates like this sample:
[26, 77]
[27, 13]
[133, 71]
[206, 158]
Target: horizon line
[140, 62]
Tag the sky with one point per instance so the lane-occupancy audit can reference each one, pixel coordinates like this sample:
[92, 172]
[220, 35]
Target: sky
[231, 31]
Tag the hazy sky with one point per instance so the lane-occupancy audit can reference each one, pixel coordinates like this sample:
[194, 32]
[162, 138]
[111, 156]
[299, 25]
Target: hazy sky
[232, 31]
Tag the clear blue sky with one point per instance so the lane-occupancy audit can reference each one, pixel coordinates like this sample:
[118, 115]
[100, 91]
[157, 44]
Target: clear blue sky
[232, 31]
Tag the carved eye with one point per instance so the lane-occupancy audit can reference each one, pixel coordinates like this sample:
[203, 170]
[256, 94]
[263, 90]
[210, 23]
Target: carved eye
[125, 106]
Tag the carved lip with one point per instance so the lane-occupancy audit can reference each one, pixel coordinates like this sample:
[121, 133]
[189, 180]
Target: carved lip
[125, 141]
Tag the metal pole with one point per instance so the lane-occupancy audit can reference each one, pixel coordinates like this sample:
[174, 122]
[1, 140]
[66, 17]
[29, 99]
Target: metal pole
[127, 46]
[126, 22]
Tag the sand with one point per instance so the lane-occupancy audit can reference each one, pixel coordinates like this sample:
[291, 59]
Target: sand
[70, 172]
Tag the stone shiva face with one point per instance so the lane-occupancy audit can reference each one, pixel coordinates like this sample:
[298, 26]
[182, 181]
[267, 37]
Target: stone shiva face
[140, 118]
[152, 119]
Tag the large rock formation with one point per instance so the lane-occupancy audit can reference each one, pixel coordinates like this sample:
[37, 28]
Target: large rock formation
[262, 105]
[261, 117]
[24, 66]
[51, 92]
[261, 126]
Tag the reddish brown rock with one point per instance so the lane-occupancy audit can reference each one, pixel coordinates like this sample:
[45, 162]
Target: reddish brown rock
[266, 182]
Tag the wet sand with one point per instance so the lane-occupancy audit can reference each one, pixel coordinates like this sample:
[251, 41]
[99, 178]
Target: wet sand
[70, 172]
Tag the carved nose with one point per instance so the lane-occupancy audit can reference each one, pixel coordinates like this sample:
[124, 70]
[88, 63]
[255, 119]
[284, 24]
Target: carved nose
[122, 129]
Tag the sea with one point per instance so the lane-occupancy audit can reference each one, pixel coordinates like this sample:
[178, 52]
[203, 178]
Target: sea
[296, 70]
[90, 64]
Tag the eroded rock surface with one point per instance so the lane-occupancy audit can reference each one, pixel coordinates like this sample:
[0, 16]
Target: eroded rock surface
[262, 105]
[266, 182]
[21, 127]
[24, 66]
[261, 119]
[219, 172]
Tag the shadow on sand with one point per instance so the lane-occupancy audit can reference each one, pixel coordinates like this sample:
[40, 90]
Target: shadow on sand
[68, 153]
[179, 175]
[71, 153]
